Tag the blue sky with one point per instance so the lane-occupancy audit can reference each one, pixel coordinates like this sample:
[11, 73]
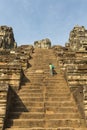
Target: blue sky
[33, 20]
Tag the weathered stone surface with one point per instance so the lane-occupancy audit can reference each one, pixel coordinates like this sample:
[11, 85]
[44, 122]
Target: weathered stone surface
[77, 39]
[55, 97]
[12, 64]
[23, 55]
[7, 40]
[3, 103]
[10, 74]
[44, 43]
[44, 101]
[73, 63]
[74, 66]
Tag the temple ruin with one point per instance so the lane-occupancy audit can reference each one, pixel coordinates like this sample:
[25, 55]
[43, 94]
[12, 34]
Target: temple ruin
[32, 99]
[44, 43]
[7, 40]
[77, 39]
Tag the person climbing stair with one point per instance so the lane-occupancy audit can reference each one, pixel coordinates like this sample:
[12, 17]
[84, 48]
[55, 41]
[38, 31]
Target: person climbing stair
[51, 66]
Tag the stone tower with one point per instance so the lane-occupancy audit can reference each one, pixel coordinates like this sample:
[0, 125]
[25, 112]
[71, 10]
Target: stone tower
[7, 40]
[77, 39]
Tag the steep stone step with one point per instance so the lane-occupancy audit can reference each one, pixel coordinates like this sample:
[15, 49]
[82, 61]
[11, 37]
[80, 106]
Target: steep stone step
[2, 110]
[48, 115]
[29, 109]
[60, 103]
[51, 87]
[57, 90]
[2, 105]
[35, 80]
[2, 94]
[2, 101]
[26, 123]
[38, 84]
[59, 77]
[28, 115]
[58, 95]
[40, 90]
[31, 75]
[59, 128]
[24, 94]
[81, 129]
[47, 95]
[28, 103]
[62, 109]
[76, 123]
[39, 128]
[53, 79]
[60, 92]
[1, 122]
[31, 99]
[44, 102]
[2, 115]
[58, 98]
[31, 91]
[57, 86]
[52, 115]
[42, 83]
[31, 87]
[85, 102]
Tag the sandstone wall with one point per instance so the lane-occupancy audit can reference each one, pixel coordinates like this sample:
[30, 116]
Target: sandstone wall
[77, 39]
[73, 64]
[7, 40]
[13, 63]
[4, 88]
[44, 43]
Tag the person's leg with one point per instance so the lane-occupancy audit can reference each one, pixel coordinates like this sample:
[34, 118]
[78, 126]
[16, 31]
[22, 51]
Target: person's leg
[51, 71]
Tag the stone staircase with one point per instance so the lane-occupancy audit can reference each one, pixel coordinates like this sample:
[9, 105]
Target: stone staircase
[44, 102]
